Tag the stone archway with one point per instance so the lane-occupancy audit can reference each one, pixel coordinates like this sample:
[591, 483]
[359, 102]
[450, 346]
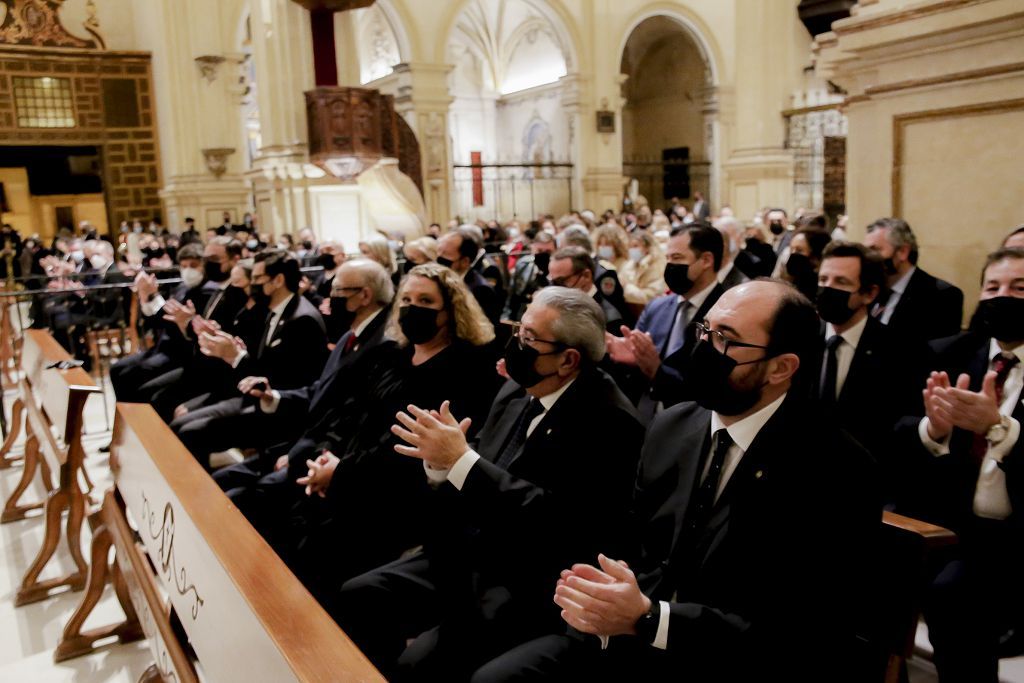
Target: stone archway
[669, 118]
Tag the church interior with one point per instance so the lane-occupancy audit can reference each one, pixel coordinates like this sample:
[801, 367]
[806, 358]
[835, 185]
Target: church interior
[494, 340]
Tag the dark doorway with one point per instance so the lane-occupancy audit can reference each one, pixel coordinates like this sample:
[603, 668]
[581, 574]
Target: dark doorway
[676, 162]
[56, 170]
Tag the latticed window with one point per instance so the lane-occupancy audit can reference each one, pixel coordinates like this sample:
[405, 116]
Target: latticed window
[43, 102]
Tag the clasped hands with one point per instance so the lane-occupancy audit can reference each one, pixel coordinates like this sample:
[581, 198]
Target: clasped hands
[948, 406]
[220, 344]
[634, 348]
[434, 436]
[605, 601]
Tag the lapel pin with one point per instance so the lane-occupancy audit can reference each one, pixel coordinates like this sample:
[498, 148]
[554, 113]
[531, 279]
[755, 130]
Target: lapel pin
[758, 474]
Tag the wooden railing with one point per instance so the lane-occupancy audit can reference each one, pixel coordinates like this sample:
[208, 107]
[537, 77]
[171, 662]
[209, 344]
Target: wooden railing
[246, 617]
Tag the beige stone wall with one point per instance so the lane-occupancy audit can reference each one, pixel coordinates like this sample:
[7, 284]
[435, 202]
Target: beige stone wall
[936, 125]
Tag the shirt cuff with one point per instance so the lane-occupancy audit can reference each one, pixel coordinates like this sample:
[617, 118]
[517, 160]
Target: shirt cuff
[238, 358]
[934, 447]
[153, 306]
[435, 476]
[604, 641]
[661, 637]
[270, 401]
[460, 470]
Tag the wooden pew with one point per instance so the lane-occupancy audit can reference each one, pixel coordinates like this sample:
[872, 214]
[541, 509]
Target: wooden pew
[50, 398]
[246, 617]
[910, 551]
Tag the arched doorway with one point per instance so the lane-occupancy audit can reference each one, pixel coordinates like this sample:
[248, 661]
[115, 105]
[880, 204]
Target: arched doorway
[509, 133]
[669, 116]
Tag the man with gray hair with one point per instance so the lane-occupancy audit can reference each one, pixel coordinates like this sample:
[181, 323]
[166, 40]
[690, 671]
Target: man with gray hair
[361, 297]
[560, 443]
[916, 305]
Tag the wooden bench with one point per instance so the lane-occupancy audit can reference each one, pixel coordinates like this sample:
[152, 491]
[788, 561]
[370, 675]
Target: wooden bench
[245, 616]
[50, 399]
[910, 550]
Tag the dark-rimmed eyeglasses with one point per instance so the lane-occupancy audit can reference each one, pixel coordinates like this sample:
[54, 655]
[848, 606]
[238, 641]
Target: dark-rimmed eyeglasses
[524, 338]
[721, 343]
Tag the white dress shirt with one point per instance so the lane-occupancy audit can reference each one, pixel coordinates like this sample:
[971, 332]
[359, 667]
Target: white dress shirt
[460, 470]
[275, 317]
[270, 401]
[896, 293]
[845, 351]
[742, 434]
[990, 497]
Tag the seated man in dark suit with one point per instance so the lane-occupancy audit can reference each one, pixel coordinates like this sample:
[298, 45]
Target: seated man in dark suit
[916, 305]
[560, 439]
[291, 354]
[361, 299]
[754, 517]
[969, 459]
[573, 267]
[660, 346]
[170, 349]
[458, 250]
[865, 378]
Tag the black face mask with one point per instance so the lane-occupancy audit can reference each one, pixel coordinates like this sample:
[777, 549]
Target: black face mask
[325, 261]
[708, 379]
[890, 266]
[259, 297]
[307, 245]
[418, 323]
[1002, 317]
[747, 263]
[213, 272]
[833, 305]
[542, 260]
[677, 277]
[799, 267]
[520, 364]
[407, 266]
[776, 227]
[341, 317]
[446, 262]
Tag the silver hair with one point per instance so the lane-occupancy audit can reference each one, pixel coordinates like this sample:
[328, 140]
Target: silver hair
[730, 225]
[576, 236]
[580, 322]
[104, 246]
[375, 277]
[899, 233]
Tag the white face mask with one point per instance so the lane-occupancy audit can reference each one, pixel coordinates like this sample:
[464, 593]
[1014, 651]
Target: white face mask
[78, 255]
[606, 252]
[636, 254]
[98, 261]
[191, 277]
[251, 245]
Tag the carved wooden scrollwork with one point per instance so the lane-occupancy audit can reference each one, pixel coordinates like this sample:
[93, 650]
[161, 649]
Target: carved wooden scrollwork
[37, 22]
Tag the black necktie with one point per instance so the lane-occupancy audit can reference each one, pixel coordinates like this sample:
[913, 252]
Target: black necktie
[828, 379]
[700, 508]
[517, 439]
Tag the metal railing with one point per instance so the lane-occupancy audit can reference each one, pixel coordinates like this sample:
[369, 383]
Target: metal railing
[508, 191]
[661, 180]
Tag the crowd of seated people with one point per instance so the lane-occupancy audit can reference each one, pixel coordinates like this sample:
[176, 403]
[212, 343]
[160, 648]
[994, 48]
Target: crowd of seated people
[591, 446]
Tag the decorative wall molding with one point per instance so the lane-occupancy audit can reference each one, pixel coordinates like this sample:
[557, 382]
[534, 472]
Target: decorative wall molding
[37, 23]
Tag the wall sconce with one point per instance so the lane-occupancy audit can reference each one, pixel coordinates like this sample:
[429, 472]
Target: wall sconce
[208, 65]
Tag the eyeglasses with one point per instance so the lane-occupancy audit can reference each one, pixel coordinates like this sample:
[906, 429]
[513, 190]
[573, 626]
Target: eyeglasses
[524, 338]
[721, 343]
[561, 281]
[344, 289]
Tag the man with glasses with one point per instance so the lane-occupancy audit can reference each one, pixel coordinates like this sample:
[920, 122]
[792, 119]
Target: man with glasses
[261, 485]
[573, 267]
[548, 481]
[754, 514]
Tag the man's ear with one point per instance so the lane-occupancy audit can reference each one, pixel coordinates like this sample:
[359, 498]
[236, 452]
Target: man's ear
[570, 362]
[784, 366]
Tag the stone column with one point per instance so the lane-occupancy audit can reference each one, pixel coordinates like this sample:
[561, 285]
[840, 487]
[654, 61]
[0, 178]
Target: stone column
[422, 98]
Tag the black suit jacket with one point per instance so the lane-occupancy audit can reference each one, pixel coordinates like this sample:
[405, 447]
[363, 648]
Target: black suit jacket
[943, 487]
[929, 308]
[508, 533]
[782, 551]
[295, 353]
[883, 384]
[735, 277]
[489, 299]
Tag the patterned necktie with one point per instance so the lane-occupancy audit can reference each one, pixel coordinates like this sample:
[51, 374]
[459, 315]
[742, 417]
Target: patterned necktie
[516, 441]
[1003, 364]
[677, 335]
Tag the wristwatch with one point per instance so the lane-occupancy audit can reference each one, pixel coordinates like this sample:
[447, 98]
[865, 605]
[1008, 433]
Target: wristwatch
[997, 432]
[647, 626]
